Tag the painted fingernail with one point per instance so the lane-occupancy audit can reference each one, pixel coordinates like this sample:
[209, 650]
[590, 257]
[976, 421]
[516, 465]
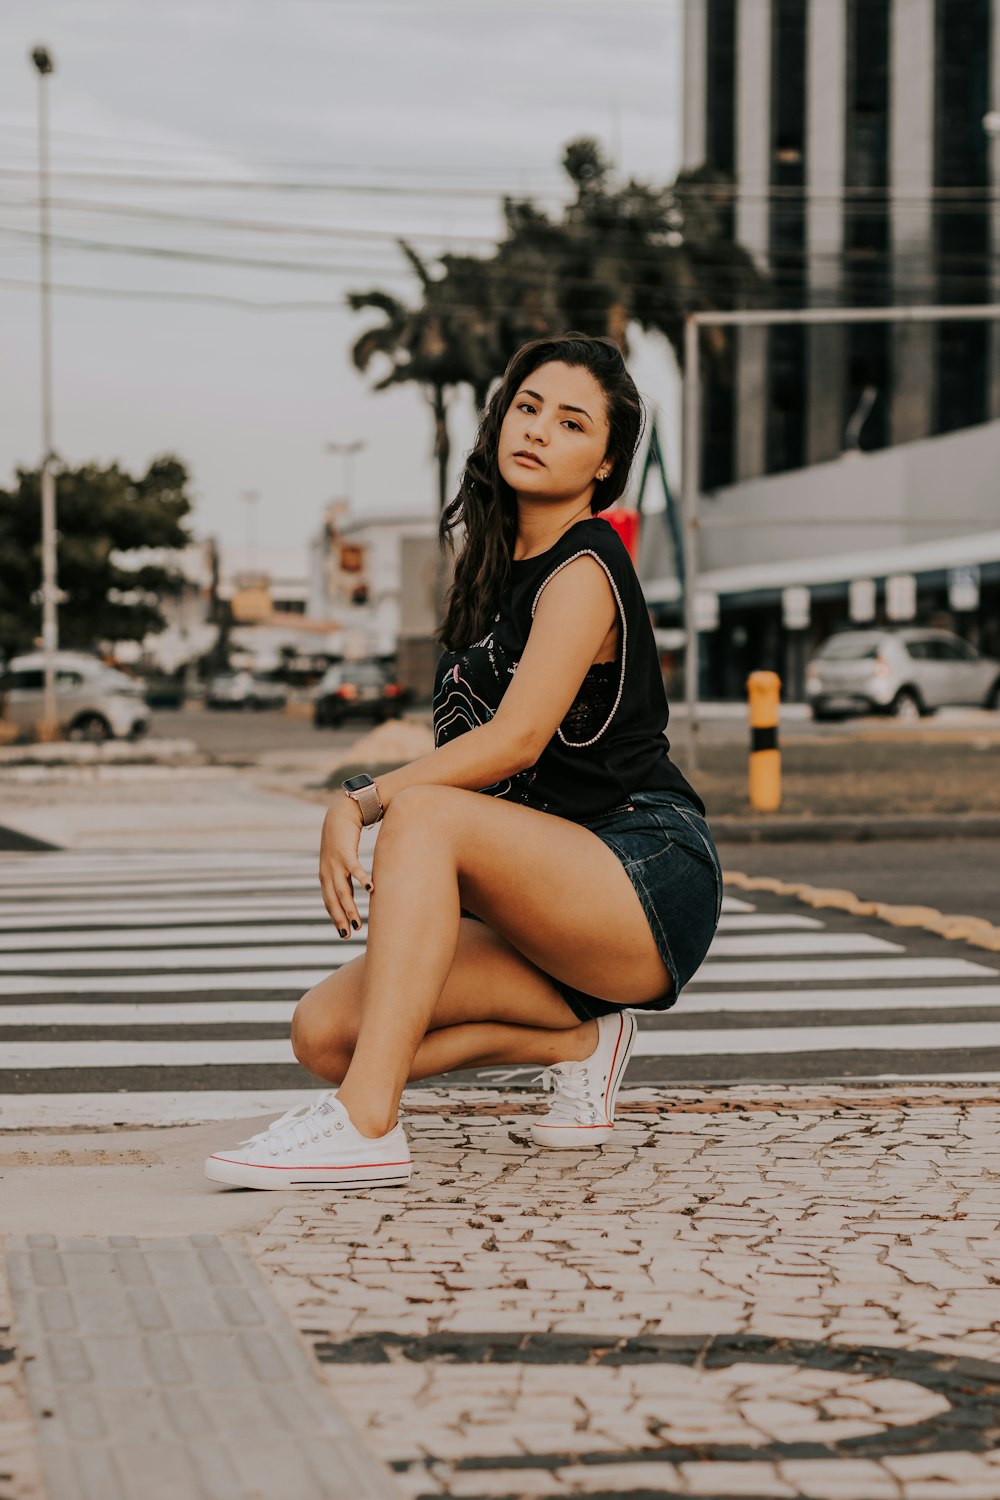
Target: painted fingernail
[369, 887]
[343, 932]
[355, 925]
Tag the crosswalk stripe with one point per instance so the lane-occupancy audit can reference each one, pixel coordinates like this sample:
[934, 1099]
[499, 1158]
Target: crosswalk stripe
[290, 955]
[114, 946]
[110, 939]
[17, 1055]
[191, 886]
[140, 1013]
[130, 916]
[169, 983]
[856, 1038]
[912, 997]
[789, 943]
[166, 913]
[834, 970]
[320, 930]
[967, 1035]
[256, 1012]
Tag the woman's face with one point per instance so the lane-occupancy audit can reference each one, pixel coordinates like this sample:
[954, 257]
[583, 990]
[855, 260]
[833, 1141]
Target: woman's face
[555, 435]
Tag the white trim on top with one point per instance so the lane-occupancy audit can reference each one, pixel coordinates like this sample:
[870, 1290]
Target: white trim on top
[588, 552]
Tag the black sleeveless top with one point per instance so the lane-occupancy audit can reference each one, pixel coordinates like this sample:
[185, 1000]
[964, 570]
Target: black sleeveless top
[611, 743]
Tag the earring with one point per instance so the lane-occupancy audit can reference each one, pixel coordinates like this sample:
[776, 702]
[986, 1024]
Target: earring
[602, 474]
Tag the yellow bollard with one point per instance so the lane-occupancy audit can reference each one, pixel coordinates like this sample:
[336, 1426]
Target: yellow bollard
[764, 691]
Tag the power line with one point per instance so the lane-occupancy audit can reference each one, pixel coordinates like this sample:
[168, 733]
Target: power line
[154, 295]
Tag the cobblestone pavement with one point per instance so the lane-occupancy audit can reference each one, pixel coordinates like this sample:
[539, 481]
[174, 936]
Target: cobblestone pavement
[754, 1291]
[759, 1292]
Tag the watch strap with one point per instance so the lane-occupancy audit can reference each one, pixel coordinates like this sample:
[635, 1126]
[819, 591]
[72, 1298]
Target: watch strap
[370, 803]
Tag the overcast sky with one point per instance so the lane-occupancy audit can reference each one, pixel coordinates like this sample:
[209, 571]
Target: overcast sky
[369, 119]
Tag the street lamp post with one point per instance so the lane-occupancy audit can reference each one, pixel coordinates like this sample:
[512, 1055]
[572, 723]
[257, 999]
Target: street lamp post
[48, 729]
[348, 450]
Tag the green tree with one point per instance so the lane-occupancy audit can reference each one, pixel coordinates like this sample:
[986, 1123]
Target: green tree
[102, 512]
[619, 254]
[445, 342]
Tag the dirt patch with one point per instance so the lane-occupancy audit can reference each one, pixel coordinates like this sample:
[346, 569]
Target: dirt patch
[866, 778]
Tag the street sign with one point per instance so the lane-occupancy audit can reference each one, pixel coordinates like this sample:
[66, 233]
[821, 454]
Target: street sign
[861, 606]
[901, 596]
[795, 608]
[706, 609]
[963, 589]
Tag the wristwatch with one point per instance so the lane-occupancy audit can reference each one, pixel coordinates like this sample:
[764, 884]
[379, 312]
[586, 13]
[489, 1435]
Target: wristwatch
[365, 793]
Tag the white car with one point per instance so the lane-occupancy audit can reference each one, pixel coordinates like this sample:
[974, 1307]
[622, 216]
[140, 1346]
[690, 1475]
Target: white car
[93, 701]
[245, 690]
[905, 672]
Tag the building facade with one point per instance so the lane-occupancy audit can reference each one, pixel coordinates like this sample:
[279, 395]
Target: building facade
[862, 140]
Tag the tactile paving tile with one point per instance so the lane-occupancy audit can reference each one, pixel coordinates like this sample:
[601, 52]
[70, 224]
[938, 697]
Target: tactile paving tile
[164, 1368]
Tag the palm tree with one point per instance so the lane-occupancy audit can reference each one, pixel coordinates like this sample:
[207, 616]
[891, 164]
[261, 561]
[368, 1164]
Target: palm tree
[446, 342]
[620, 254]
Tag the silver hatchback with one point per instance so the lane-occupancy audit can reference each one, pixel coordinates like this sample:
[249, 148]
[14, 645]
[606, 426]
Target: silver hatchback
[93, 702]
[902, 672]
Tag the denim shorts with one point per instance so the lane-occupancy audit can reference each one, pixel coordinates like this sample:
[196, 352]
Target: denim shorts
[668, 854]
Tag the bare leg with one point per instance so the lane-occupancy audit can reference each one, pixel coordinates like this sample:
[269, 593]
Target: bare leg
[549, 887]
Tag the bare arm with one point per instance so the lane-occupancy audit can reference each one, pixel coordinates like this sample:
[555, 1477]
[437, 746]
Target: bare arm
[574, 614]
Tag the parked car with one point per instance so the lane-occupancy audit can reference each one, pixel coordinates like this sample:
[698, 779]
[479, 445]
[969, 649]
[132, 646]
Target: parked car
[357, 690]
[907, 673]
[245, 690]
[93, 701]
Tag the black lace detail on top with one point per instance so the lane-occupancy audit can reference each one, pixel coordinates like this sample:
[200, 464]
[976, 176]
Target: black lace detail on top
[593, 703]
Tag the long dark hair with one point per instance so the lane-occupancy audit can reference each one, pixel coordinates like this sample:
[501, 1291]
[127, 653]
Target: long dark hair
[485, 504]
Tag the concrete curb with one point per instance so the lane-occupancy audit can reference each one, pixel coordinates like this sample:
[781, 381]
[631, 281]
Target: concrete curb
[974, 930]
[72, 753]
[855, 829]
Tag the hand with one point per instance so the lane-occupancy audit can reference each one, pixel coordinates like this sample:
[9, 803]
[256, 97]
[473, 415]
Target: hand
[339, 864]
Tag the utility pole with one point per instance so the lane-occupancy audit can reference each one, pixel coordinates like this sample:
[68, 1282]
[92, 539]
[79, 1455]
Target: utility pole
[48, 729]
[250, 499]
[348, 450]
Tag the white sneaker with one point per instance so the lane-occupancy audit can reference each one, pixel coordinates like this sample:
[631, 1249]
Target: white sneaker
[583, 1110]
[314, 1146]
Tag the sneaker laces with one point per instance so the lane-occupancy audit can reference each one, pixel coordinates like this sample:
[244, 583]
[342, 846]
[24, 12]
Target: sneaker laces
[291, 1127]
[572, 1086]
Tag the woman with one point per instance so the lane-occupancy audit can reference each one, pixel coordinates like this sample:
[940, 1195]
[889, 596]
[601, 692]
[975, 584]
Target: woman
[521, 926]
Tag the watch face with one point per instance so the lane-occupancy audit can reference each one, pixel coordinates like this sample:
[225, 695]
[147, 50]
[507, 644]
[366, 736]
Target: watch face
[358, 783]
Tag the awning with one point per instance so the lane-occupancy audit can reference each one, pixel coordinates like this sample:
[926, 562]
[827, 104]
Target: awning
[979, 549]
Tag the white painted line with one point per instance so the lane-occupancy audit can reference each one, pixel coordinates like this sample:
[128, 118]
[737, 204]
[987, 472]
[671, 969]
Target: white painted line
[213, 1012]
[968, 1035]
[177, 958]
[190, 888]
[734, 904]
[147, 1013]
[321, 930]
[769, 1039]
[295, 980]
[84, 863]
[760, 923]
[783, 945]
[833, 970]
[152, 1107]
[750, 1002]
[163, 912]
[28, 1055]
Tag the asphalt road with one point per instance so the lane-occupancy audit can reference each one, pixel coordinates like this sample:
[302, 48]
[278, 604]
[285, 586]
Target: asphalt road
[118, 980]
[960, 877]
[238, 732]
